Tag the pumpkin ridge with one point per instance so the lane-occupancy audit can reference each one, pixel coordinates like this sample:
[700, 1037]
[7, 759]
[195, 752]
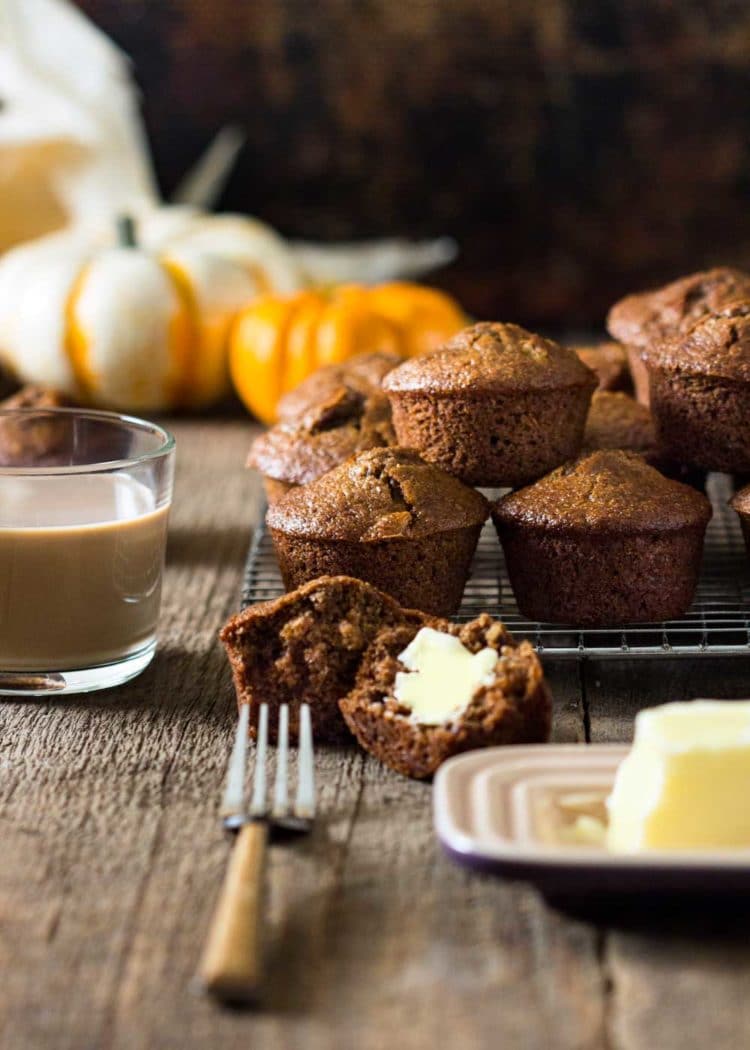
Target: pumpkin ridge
[75, 344]
[187, 342]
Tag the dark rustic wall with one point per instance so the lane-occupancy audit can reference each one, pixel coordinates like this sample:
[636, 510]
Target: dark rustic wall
[577, 148]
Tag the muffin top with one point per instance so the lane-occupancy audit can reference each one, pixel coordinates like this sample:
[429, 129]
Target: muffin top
[491, 358]
[608, 362]
[716, 346]
[384, 493]
[300, 451]
[653, 316]
[740, 501]
[616, 420]
[362, 373]
[40, 397]
[613, 491]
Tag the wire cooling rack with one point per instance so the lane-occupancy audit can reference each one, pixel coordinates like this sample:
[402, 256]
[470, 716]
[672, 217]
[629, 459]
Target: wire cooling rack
[717, 624]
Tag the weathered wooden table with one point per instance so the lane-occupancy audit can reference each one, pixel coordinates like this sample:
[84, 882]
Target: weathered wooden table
[111, 855]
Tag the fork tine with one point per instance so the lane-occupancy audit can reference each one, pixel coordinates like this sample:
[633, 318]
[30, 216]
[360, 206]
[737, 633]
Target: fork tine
[258, 802]
[304, 802]
[233, 802]
[280, 791]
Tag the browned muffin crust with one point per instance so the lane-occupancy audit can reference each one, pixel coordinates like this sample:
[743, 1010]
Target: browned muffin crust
[646, 318]
[616, 420]
[362, 374]
[30, 441]
[306, 647]
[385, 516]
[491, 358]
[602, 541]
[515, 709]
[700, 393]
[609, 362]
[740, 502]
[298, 452]
[383, 493]
[497, 405]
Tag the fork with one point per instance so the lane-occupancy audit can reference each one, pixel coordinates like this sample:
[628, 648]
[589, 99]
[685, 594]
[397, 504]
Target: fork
[231, 965]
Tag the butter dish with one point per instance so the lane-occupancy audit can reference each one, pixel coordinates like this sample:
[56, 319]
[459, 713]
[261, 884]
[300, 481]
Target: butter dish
[512, 810]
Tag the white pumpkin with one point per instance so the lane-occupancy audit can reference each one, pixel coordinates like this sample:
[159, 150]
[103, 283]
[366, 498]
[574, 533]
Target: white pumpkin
[121, 326]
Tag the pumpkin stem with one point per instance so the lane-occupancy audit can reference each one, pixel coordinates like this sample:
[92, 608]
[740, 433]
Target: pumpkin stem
[126, 237]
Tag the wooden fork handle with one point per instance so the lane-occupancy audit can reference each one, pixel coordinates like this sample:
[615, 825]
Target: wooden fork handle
[231, 966]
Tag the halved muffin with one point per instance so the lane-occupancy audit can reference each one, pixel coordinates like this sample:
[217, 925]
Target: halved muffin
[503, 699]
[385, 516]
[306, 646]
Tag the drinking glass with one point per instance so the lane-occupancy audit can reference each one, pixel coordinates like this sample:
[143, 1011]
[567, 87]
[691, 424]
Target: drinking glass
[84, 502]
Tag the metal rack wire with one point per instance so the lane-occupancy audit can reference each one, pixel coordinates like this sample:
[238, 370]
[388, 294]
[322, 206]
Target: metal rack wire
[717, 623]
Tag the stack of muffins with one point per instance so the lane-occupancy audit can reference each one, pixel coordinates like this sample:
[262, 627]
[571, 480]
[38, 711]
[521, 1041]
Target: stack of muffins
[380, 473]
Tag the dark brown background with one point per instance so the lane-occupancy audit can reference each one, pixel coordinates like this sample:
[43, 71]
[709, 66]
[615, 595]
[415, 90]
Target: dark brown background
[576, 149]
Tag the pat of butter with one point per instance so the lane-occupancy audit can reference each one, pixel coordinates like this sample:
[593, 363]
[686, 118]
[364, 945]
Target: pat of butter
[442, 676]
[686, 782]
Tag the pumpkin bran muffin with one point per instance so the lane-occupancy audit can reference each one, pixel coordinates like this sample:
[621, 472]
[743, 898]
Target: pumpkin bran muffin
[387, 517]
[30, 441]
[515, 708]
[700, 393]
[601, 541]
[644, 319]
[740, 502]
[298, 452]
[496, 405]
[363, 374]
[616, 420]
[609, 362]
[306, 647]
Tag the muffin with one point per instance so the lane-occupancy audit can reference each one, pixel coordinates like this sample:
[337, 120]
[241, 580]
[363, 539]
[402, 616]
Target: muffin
[616, 420]
[646, 318]
[604, 540]
[700, 393]
[387, 517]
[741, 503]
[496, 405]
[298, 452]
[511, 705]
[306, 647]
[609, 362]
[363, 373]
[31, 442]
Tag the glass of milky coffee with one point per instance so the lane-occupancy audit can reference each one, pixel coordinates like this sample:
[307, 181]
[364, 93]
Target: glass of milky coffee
[84, 500]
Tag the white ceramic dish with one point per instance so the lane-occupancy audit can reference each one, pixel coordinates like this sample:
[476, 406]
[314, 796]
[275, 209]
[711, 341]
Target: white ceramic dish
[505, 809]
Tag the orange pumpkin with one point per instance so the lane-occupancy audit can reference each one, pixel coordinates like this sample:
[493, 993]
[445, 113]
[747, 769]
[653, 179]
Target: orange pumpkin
[279, 340]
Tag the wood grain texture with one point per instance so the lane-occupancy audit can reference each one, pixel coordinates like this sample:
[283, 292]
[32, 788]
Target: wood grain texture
[112, 858]
[576, 150]
[676, 972]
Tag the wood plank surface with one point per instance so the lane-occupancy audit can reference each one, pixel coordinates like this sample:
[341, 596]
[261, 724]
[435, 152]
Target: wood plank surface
[111, 858]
